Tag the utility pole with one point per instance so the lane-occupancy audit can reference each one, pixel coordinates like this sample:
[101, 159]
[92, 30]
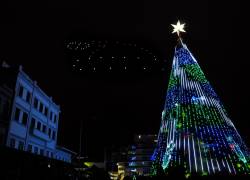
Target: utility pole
[80, 146]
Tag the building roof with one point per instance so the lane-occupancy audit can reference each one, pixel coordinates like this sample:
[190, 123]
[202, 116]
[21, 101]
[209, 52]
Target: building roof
[65, 150]
[22, 73]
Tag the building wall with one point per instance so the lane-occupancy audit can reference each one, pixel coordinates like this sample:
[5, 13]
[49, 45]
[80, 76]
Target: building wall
[5, 110]
[33, 120]
[137, 158]
[63, 154]
[139, 155]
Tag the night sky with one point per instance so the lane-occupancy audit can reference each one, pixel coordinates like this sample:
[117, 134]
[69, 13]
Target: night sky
[113, 104]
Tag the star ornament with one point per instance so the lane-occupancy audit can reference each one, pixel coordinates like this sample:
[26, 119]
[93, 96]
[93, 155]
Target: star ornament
[178, 28]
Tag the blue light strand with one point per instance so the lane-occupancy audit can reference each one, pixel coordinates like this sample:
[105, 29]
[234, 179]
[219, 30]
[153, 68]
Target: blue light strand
[195, 114]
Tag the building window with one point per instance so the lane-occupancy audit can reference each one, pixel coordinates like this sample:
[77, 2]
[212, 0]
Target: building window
[38, 125]
[46, 111]
[44, 128]
[21, 145]
[28, 96]
[51, 114]
[36, 150]
[17, 114]
[49, 133]
[55, 118]
[41, 152]
[20, 92]
[41, 108]
[29, 148]
[25, 118]
[32, 124]
[53, 135]
[36, 103]
[12, 143]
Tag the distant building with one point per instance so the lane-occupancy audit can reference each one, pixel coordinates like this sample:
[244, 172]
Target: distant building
[63, 154]
[139, 155]
[113, 155]
[28, 117]
[5, 106]
[134, 159]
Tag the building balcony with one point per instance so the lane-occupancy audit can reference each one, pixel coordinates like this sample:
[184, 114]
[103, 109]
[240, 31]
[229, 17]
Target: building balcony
[40, 135]
[18, 129]
[24, 104]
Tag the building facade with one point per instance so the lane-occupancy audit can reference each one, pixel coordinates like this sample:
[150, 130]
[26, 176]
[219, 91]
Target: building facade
[64, 154]
[139, 155]
[32, 121]
[5, 103]
[134, 159]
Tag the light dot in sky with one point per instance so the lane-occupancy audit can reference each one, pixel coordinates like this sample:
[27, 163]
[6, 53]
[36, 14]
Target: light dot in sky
[110, 67]
[80, 69]
[125, 67]
[74, 65]
[144, 68]
[77, 60]
[138, 57]
[94, 68]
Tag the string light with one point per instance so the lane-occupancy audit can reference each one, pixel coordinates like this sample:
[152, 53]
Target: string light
[194, 119]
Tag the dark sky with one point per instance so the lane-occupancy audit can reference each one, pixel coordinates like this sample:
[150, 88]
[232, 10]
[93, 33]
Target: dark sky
[112, 109]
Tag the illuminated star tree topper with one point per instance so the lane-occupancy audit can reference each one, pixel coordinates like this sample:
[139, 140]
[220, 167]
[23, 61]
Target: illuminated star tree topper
[178, 28]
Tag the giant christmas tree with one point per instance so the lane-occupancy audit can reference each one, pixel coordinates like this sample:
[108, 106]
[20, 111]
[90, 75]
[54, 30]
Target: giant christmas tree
[196, 132]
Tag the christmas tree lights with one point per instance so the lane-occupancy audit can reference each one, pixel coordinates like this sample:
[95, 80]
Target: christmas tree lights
[196, 132]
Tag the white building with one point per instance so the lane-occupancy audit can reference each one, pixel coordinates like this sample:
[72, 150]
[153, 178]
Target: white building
[33, 122]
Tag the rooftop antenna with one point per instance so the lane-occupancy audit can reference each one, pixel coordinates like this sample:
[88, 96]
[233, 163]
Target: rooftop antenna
[80, 146]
